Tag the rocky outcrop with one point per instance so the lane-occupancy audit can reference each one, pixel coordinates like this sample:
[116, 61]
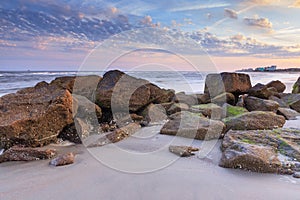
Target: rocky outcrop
[259, 150]
[65, 159]
[235, 83]
[183, 151]
[34, 117]
[17, 153]
[296, 87]
[121, 92]
[278, 85]
[289, 114]
[256, 120]
[260, 91]
[191, 125]
[257, 104]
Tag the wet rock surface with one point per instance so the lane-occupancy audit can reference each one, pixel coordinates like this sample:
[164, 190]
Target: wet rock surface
[262, 151]
[18, 153]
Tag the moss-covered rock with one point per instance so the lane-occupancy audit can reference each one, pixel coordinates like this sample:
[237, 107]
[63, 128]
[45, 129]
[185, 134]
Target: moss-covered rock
[232, 111]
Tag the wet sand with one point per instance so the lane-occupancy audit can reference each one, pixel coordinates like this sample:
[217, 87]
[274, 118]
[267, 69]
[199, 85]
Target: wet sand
[186, 178]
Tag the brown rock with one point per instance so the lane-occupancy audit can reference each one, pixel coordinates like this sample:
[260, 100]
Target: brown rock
[65, 159]
[35, 116]
[203, 98]
[191, 125]
[256, 120]
[183, 151]
[17, 153]
[159, 95]
[257, 104]
[210, 110]
[177, 107]
[280, 87]
[155, 113]
[260, 91]
[224, 98]
[235, 83]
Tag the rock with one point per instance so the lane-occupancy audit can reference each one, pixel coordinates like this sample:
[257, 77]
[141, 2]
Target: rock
[235, 83]
[191, 125]
[61, 160]
[260, 91]
[256, 120]
[187, 99]
[232, 111]
[155, 113]
[224, 98]
[281, 103]
[257, 104]
[83, 128]
[203, 98]
[113, 137]
[258, 150]
[210, 110]
[296, 87]
[122, 93]
[289, 114]
[273, 92]
[183, 151]
[34, 116]
[70, 133]
[78, 85]
[296, 175]
[293, 100]
[250, 157]
[177, 107]
[86, 109]
[17, 153]
[280, 87]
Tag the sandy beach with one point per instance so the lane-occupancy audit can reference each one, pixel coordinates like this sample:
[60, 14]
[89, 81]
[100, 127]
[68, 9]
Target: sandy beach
[186, 178]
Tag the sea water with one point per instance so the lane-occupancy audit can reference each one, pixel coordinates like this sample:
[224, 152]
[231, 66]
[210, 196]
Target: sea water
[187, 81]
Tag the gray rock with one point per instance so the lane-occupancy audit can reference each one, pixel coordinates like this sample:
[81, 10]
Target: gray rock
[289, 114]
[257, 104]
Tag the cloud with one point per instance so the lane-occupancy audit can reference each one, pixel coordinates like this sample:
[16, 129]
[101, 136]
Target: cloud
[264, 2]
[259, 22]
[296, 4]
[238, 37]
[230, 13]
[198, 7]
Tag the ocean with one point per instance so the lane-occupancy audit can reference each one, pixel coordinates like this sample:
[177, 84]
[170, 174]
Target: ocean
[187, 81]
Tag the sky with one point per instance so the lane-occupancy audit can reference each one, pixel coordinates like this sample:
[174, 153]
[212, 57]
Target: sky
[149, 34]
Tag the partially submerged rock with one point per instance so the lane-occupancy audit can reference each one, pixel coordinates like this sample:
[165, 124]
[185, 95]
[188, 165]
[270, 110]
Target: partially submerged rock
[183, 151]
[65, 159]
[256, 120]
[17, 153]
[191, 125]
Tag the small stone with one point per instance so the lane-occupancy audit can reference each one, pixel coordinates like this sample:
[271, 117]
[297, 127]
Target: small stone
[296, 175]
[61, 160]
[183, 151]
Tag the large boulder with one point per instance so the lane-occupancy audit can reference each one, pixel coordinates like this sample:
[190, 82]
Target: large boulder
[296, 87]
[191, 125]
[34, 116]
[278, 85]
[259, 150]
[235, 83]
[256, 120]
[257, 104]
[121, 92]
[260, 91]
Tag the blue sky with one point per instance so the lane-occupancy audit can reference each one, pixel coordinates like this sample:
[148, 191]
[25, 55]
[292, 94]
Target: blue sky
[59, 34]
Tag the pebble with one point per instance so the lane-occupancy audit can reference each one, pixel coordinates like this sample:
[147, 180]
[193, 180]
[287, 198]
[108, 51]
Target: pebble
[296, 175]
